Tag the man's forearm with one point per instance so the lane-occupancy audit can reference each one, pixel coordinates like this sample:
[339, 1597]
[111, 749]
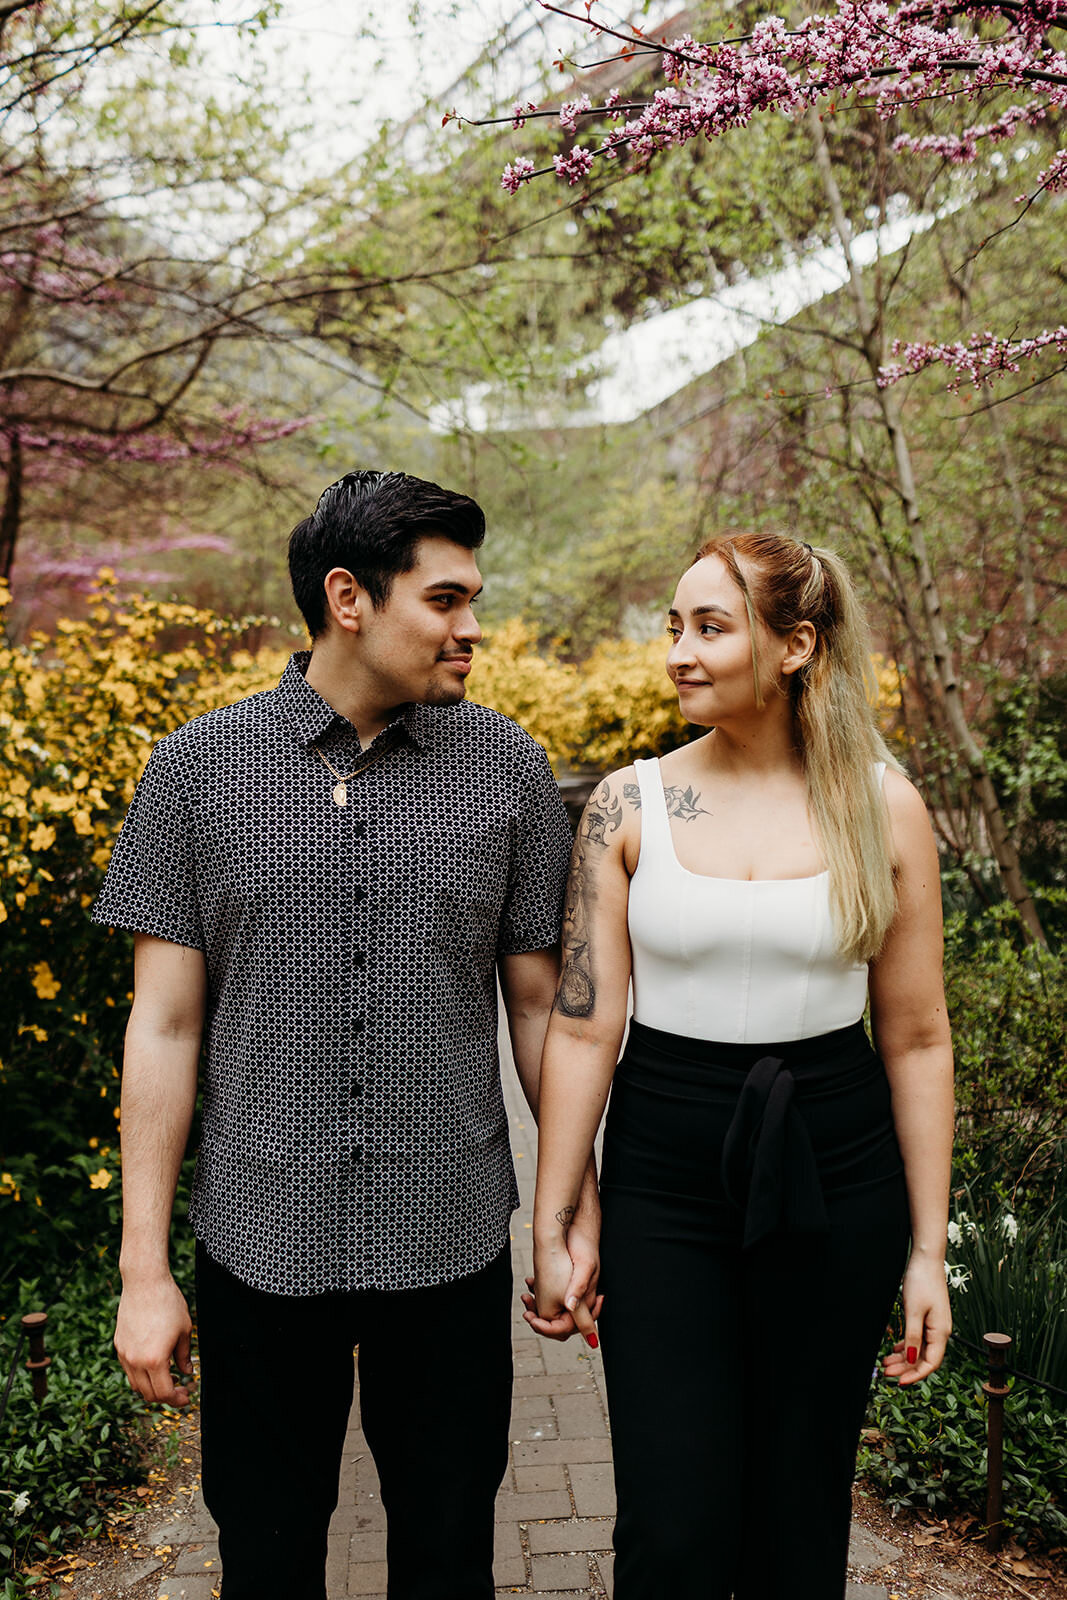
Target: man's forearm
[158, 1099]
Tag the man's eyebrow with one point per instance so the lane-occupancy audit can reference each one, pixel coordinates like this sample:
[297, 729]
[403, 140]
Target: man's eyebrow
[450, 586]
[705, 611]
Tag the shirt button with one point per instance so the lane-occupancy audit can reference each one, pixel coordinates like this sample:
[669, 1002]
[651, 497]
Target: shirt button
[358, 1024]
[358, 894]
[357, 1090]
[357, 1152]
[359, 959]
[360, 830]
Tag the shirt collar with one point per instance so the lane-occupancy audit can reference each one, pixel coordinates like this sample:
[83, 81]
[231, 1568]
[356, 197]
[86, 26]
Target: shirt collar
[309, 715]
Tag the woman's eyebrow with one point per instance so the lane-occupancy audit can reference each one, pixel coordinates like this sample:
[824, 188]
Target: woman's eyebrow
[705, 611]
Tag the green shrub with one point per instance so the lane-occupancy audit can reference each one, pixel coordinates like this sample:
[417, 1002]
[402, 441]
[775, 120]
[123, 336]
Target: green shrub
[1008, 1005]
[69, 1455]
[926, 1447]
[1010, 1276]
[64, 1454]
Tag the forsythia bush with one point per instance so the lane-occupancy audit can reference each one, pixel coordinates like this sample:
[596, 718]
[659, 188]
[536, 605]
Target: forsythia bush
[537, 691]
[617, 706]
[80, 713]
[628, 709]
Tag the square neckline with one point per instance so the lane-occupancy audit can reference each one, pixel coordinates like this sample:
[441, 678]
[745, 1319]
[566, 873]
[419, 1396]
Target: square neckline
[709, 877]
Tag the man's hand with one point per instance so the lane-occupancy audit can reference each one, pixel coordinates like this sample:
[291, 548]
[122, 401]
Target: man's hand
[563, 1297]
[152, 1334]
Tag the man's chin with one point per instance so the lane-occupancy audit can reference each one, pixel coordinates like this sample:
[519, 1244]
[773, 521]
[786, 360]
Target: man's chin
[444, 694]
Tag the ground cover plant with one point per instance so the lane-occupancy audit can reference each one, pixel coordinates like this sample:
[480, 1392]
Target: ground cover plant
[926, 1448]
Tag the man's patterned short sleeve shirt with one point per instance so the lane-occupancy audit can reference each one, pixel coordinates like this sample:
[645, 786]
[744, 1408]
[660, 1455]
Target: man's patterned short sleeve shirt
[354, 1133]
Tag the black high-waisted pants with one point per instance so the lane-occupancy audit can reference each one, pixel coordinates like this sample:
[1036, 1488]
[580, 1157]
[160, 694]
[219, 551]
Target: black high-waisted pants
[277, 1377]
[755, 1232]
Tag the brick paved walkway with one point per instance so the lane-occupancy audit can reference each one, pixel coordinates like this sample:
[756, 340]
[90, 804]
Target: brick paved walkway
[555, 1510]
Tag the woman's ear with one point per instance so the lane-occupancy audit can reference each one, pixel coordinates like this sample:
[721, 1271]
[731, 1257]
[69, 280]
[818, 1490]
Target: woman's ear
[800, 648]
[345, 598]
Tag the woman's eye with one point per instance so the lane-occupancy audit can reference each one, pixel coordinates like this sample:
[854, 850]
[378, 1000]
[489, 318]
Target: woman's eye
[672, 631]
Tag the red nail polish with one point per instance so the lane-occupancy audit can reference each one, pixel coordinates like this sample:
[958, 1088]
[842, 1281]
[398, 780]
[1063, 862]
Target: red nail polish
[592, 1341]
[913, 1355]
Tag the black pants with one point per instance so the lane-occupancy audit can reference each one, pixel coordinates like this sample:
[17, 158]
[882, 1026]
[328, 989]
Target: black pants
[277, 1378]
[737, 1375]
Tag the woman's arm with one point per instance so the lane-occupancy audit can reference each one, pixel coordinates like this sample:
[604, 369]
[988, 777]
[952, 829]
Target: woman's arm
[581, 1045]
[909, 1021]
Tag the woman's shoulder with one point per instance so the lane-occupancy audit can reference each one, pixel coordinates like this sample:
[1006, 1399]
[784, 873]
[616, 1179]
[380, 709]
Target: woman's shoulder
[615, 790]
[611, 813]
[902, 798]
[908, 816]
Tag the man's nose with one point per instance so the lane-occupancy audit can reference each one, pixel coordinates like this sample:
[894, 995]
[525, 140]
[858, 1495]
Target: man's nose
[468, 628]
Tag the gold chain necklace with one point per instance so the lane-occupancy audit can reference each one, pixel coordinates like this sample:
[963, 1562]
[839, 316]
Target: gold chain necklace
[340, 789]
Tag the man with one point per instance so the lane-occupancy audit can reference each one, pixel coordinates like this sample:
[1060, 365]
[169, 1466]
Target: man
[324, 882]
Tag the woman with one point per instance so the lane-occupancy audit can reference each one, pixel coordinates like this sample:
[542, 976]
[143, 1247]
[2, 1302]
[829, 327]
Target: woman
[764, 1171]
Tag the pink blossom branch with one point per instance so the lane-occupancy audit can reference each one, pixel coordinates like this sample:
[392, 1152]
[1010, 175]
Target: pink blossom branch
[900, 54]
[716, 87]
[980, 361]
[963, 147]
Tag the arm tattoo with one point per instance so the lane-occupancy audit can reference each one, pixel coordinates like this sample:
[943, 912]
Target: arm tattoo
[576, 996]
[565, 1217]
[682, 803]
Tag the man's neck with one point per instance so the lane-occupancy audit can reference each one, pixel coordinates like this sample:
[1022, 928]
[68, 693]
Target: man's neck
[332, 674]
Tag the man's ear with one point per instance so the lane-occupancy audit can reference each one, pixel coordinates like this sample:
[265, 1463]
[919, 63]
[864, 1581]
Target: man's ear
[346, 599]
[801, 647]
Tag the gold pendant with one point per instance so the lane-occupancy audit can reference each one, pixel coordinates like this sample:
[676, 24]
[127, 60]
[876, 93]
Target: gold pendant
[340, 794]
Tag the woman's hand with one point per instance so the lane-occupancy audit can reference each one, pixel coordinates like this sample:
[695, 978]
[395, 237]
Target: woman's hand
[927, 1322]
[563, 1295]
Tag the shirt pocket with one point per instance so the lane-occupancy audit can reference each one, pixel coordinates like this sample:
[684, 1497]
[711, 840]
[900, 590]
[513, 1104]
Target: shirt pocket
[464, 873]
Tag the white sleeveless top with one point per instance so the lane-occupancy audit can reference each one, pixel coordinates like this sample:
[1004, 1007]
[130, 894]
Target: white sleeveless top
[738, 961]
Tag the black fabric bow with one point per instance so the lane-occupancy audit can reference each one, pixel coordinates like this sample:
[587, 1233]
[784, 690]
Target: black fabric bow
[768, 1165]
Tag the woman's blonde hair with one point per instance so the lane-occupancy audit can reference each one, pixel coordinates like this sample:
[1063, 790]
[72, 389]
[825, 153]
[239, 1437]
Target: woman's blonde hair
[785, 582]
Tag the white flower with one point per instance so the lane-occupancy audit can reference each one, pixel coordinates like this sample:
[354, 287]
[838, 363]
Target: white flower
[955, 1233]
[958, 1277]
[19, 1504]
[1010, 1227]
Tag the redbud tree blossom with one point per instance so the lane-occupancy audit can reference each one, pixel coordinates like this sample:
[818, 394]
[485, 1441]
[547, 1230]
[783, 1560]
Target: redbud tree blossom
[870, 51]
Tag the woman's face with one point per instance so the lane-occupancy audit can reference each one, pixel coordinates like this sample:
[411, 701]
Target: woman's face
[710, 660]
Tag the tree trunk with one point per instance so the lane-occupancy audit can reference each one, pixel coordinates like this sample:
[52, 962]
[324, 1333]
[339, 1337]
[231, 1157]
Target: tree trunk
[11, 514]
[936, 644]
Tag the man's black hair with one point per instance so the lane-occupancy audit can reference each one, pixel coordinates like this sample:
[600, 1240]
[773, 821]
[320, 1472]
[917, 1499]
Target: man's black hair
[371, 523]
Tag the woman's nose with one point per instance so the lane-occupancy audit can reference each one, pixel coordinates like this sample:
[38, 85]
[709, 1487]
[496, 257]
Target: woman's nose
[680, 653]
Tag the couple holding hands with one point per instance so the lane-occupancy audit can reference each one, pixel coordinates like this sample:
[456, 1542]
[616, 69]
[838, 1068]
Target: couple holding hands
[326, 882]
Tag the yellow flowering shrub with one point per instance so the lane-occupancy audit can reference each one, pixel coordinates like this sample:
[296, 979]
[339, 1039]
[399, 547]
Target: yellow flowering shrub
[536, 690]
[629, 708]
[888, 701]
[80, 712]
